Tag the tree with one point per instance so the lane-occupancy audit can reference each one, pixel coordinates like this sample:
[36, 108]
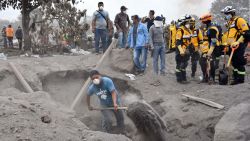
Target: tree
[26, 7]
[241, 6]
[53, 23]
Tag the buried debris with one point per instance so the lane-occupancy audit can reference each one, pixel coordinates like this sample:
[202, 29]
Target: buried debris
[131, 76]
[147, 121]
[204, 101]
[46, 119]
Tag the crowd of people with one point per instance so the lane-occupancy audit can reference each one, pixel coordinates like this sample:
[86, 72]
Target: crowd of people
[8, 36]
[203, 44]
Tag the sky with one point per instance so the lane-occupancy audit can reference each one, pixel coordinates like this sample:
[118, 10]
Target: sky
[171, 9]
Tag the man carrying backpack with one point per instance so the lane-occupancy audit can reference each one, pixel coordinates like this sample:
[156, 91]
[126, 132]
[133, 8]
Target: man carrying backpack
[237, 28]
[100, 27]
[210, 49]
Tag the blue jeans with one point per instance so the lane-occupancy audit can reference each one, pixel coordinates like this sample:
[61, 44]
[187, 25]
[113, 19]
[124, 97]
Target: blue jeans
[159, 51]
[101, 34]
[142, 53]
[122, 39]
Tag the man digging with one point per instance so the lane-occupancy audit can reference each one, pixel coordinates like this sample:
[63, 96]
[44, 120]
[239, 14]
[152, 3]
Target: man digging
[104, 88]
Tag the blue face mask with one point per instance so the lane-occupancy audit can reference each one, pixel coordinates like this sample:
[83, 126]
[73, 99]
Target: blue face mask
[228, 17]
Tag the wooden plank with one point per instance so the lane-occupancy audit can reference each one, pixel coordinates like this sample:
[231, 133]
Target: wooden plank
[204, 101]
[111, 108]
[86, 84]
[21, 78]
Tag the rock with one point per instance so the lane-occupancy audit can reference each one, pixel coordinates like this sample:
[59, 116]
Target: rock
[147, 121]
[122, 60]
[46, 119]
[234, 125]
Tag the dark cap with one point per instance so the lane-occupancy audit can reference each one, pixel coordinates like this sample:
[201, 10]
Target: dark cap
[93, 72]
[100, 3]
[123, 8]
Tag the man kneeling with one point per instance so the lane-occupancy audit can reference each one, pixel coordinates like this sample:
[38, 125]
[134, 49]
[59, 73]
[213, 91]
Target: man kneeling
[104, 88]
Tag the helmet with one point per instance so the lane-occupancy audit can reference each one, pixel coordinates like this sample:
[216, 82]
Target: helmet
[206, 17]
[192, 20]
[184, 19]
[228, 9]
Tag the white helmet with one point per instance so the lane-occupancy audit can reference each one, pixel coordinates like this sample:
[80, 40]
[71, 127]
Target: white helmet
[184, 19]
[228, 9]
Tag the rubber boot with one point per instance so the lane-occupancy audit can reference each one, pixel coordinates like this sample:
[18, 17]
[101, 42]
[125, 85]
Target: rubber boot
[235, 77]
[178, 77]
[184, 77]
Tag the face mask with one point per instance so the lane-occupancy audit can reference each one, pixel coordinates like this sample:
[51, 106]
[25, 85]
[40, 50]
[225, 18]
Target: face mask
[187, 26]
[228, 17]
[101, 8]
[96, 81]
[158, 23]
[125, 12]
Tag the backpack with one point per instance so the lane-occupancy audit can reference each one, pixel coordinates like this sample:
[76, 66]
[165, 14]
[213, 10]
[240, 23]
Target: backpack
[220, 31]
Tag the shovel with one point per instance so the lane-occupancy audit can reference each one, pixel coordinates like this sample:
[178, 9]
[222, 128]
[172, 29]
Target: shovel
[229, 63]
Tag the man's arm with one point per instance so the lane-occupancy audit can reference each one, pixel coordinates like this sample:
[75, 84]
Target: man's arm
[129, 37]
[116, 23]
[214, 40]
[89, 94]
[151, 36]
[114, 97]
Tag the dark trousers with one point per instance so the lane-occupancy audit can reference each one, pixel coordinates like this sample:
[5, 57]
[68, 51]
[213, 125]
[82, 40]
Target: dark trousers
[208, 74]
[107, 120]
[10, 40]
[239, 62]
[194, 61]
[101, 34]
[181, 65]
[20, 42]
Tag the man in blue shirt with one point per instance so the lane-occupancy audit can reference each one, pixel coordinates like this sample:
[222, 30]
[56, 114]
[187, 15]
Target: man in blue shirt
[104, 88]
[100, 23]
[138, 39]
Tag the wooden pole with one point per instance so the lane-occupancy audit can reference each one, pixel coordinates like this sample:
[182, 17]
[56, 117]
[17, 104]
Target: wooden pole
[21, 78]
[204, 101]
[86, 84]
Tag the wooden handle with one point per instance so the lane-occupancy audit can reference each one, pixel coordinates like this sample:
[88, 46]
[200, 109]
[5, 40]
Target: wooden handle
[230, 58]
[111, 108]
[21, 78]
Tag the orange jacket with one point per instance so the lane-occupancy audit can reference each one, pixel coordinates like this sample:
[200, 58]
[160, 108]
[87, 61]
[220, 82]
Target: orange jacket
[9, 32]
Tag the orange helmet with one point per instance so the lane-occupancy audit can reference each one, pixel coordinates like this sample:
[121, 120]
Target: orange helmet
[206, 17]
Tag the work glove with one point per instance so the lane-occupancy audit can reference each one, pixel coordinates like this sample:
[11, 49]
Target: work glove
[226, 49]
[237, 43]
[182, 53]
[204, 55]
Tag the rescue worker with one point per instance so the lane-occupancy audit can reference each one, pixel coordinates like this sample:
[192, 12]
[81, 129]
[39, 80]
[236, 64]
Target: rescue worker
[210, 49]
[183, 41]
[172, 36]
[196, 40]
[237, 27]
